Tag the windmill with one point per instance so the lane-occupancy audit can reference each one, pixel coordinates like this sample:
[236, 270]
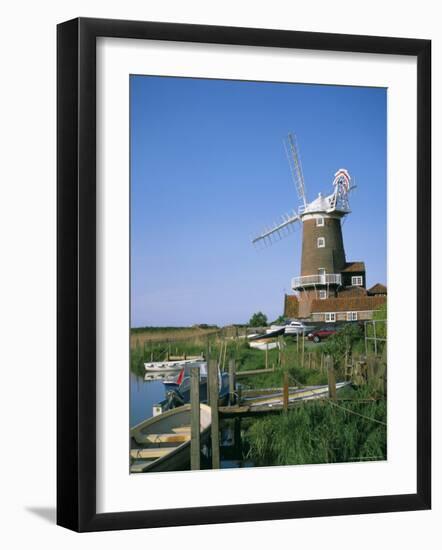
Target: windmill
[323, 261]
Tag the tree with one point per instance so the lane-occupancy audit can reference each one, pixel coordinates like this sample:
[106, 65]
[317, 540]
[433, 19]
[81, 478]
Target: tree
[258, 320]
[280, 320]
[342, 342]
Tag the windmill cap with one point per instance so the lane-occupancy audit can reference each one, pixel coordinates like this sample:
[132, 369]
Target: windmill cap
[320, 204]
[343, 171]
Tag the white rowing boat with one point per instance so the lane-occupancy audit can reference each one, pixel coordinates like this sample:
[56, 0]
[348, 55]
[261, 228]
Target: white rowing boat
[162, 443]
[263, 345]
[172, 366]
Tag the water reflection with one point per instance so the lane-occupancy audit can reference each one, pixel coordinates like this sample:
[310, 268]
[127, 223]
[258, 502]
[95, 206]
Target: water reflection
[143, 396]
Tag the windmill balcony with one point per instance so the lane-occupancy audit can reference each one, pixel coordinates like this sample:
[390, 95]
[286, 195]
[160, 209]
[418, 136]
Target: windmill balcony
[313, 280]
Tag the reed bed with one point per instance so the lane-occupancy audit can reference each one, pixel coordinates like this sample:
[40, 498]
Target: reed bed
[320, 432]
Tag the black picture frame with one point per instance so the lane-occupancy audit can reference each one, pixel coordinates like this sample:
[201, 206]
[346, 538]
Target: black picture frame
[76, 273]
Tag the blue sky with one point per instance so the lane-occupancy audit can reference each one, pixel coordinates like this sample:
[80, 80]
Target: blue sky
[209, 172]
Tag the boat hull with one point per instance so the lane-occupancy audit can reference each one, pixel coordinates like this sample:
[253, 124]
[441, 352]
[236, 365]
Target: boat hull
[172, 366]
[178, 457]
[300, 394]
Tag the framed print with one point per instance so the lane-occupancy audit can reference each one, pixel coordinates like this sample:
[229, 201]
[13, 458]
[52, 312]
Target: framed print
[195, 351]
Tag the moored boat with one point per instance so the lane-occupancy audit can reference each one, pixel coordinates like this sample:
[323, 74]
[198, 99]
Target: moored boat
[178, 393]
[298, 394]
[162, 443]
[171, 366]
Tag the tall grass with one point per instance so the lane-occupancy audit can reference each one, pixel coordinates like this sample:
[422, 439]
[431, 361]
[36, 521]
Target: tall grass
[318, 432]
[246, 358]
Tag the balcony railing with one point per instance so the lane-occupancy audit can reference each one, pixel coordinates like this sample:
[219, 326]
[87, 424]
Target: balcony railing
[312, 280]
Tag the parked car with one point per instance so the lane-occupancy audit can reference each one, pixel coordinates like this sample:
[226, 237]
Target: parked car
[321, 334]
[297, 327]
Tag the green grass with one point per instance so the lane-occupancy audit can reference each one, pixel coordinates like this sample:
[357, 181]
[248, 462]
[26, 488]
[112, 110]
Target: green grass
[246, 358]
[317, 432]
[250, 359]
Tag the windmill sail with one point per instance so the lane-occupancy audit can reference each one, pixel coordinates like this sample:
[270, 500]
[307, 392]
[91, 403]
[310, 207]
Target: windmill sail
[294, 159]
[279, 230]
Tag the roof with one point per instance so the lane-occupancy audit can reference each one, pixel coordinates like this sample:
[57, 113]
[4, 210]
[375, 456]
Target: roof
[354, 267]
[327, 204]
[355, 291]
[378, 288]
[363, 303]
[320, 204]
[291, 306]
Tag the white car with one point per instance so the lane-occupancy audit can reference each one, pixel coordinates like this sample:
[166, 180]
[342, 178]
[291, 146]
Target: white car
[297, 327]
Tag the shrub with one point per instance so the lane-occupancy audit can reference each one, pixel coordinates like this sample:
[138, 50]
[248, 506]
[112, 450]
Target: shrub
[342, 342]
[258, 320]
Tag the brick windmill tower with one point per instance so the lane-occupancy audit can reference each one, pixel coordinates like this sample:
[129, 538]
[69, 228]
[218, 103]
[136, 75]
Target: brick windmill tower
[324, 269]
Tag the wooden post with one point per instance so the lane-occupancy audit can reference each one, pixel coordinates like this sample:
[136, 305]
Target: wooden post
[365, 338]
[195, 418]
[231, 381]
[220, 359]
[297, 344]
[225, 354]
[213, 401]
[207, 352]
[302, 349]
[267, 356]
[331, 378]
[375, 340]
[239, 394]
[371, 367]
[285, 404]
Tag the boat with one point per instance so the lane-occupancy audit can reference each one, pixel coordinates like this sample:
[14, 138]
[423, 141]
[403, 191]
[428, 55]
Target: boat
[178, 394]
[263, 345]
[164, 377]
[292, 327]
[298, 394]
[298, 327]
[270, 333]
[162, 443]
[171, 366]
[254, 335]
[175, 380]
[274, 328]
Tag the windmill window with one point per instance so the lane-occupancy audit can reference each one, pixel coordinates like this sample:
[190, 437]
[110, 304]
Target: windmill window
[322, 294]
[320, 222]
[357, 281]
[321, 242]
